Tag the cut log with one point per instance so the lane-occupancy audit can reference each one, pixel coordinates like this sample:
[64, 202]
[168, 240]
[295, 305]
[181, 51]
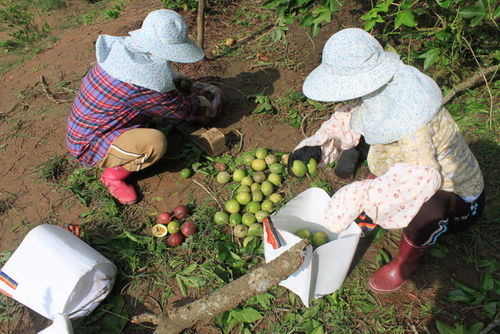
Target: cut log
[210, 140]
[254, 283]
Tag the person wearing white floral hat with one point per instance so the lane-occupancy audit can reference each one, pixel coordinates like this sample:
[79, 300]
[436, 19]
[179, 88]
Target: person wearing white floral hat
[132, 83]
[426, 179]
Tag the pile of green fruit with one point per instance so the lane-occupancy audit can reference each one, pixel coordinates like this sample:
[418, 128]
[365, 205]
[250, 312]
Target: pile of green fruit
[257, 194]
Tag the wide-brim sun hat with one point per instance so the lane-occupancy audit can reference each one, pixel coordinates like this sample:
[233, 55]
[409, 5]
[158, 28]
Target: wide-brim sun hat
[164, 34]
[353, 64]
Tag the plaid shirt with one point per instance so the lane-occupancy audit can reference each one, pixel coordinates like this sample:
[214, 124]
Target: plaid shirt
[106, 107]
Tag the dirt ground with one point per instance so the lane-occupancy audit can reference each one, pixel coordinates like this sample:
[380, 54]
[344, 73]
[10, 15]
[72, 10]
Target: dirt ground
[33, 115]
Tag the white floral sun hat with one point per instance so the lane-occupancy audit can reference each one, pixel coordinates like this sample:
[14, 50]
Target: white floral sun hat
[353, 64]
[164, 34]
[144, 57]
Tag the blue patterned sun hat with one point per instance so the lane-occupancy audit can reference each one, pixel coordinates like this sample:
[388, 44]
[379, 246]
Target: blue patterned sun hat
[164, 34]
[144, 57]
[353, 64]
[402, 106]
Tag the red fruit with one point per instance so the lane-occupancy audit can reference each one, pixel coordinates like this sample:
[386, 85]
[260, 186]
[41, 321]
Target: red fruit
[164, 218]
[188, 228]
[180, 211]
[175, 239]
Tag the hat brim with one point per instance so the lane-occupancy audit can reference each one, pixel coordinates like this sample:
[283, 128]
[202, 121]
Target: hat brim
[321, 85]
[188, 52]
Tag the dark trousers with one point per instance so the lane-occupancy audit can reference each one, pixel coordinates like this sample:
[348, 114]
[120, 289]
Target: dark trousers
[443, 212]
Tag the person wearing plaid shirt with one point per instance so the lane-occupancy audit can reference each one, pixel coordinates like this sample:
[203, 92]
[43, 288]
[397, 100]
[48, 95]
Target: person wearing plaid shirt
[132, 83]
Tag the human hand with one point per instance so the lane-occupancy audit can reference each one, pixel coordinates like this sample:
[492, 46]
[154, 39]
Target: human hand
[203, 114]
[304, 154]
[211, 92]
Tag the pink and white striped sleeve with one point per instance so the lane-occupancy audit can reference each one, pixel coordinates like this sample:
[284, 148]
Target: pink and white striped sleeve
[333, 136]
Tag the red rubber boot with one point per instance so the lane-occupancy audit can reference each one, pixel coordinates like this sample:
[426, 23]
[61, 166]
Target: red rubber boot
[394, 274]
[113, 178]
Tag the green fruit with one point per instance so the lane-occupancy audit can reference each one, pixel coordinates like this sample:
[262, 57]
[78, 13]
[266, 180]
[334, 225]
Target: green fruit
[238, 174]
[261, 153]
[185, 85]
[244, 198]
[319, 238]
[303, 233]
[248, 219]
[267, 205]
[220, 218]
[234, 219]
[255, 229]
[232, 206]
[284, 158]
[248, 158]
[259, 164]
[240, 231]
[255, 186]
[173, 227]
[248, 239]
[276, 168]
[185, 173]
[243, 189]
[270, 159]
[275, 198]
[267, 188]
[223, 177]
[274, 179]
[311, 167]
[246, 181]
[298, 168]
[257, 196]
[260, 215]
[259, 177]
[253, 207]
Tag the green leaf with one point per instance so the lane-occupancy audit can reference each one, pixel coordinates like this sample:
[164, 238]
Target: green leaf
[443, 4]
[443, 328]
[471, 11]
[405, 17]
[430, 57]
[247, 314]
[181, 285]
[194, 281]
[263, 300]
[496, 14]
[189, 269]
[487, 282]
[459, 295]
[476, 328]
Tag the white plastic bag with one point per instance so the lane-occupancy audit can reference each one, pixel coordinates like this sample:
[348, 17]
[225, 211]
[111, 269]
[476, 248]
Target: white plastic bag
[325, 268]
[57, 275]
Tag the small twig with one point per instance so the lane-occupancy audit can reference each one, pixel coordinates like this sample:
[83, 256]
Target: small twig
[46, 90]
[156, 302]
[220, 83]
[488, 89]
[312, 42]
[211, 195]
[493, 324]
[303, 122]
[413, 329]
[240, 145]
[146, 317]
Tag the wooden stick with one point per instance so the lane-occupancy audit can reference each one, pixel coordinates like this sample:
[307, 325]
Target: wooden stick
[200, 24]
[254, 283]
[469, 82]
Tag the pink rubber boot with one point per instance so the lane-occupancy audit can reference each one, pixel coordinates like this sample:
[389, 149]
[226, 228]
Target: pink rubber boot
[113, 178]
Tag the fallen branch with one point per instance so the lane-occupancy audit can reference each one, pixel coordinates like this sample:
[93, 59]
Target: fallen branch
[476, 78]
[255, 282]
